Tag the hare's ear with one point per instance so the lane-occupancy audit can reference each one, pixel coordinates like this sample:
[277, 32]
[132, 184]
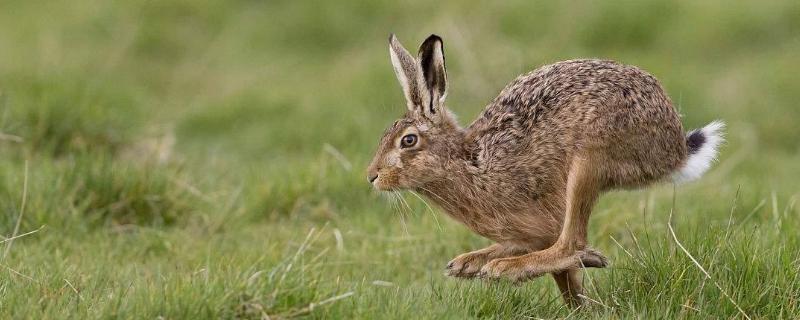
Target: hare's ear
[431, 58]
[409, 74]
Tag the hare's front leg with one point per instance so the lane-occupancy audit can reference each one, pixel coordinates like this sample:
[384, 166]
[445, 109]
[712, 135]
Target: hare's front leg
[467, 265]
[569, 251]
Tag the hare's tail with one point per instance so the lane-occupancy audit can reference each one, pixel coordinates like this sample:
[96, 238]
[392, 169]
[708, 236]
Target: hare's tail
[702, 147]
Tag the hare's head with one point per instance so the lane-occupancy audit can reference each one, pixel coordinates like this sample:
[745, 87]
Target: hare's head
[414, 150]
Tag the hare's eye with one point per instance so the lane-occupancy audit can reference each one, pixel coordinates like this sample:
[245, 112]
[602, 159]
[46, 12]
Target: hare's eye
[408, 140]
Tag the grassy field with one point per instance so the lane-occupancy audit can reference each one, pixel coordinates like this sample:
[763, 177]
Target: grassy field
[206, 159]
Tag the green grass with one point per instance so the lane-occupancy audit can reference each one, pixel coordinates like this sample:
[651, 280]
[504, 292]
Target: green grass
[180, 159]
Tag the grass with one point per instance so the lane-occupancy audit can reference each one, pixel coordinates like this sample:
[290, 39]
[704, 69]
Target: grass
[205, 159]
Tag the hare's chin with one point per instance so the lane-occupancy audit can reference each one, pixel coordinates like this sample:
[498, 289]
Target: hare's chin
[377, 185]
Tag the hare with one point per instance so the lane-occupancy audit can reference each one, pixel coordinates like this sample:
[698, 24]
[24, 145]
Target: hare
[528, 171]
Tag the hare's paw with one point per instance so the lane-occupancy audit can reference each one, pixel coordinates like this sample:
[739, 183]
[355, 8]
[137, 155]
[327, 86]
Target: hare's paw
[537, 263]
[591, 258]
[467, 265]
[516, 269]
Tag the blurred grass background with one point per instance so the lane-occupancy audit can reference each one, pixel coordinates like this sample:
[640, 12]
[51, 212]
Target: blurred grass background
[205, 159]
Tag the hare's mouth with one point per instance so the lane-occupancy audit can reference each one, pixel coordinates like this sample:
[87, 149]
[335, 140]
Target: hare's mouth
[382, 184]
[377, 183]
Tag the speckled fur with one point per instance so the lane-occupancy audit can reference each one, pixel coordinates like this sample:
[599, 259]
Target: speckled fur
[519, 150]
[527, 172]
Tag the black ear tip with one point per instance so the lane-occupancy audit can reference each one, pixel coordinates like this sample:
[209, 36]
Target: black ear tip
[392, 37]
[434, 37]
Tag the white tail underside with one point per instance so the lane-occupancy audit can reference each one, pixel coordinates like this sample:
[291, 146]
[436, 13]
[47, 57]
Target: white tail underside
[701, 160]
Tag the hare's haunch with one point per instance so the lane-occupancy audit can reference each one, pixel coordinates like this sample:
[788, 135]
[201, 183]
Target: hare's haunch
[528, 171]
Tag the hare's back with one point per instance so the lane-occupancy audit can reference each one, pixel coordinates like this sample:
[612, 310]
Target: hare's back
[564, 86]
[544, 114]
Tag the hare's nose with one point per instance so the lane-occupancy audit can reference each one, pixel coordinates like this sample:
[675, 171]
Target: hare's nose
[372, 177]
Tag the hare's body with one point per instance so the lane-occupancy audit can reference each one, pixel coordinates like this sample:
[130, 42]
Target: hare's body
[528, 171]
[521, 147]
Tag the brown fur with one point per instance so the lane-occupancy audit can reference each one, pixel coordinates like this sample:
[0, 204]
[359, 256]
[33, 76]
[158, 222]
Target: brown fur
[527, 172]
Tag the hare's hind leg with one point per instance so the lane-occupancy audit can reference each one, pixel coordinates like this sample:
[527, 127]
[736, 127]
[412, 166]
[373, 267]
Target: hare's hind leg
[584, 184]
[467, 265]
[569, 283]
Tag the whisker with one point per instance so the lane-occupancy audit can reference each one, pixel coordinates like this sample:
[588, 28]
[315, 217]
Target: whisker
[404, 202]
[400, 212]
[433, 214]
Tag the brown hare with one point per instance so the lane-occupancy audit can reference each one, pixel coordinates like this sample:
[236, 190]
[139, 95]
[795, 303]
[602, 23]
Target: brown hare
[528, 171]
